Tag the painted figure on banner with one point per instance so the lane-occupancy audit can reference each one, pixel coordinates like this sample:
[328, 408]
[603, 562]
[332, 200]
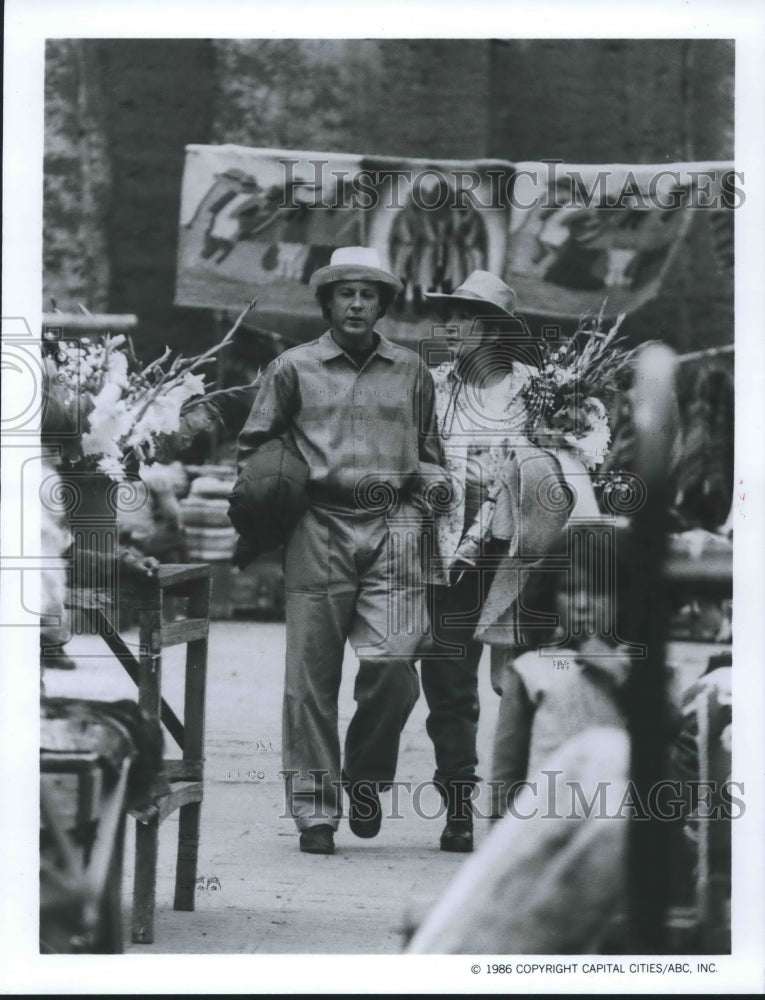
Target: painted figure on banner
[273, 217]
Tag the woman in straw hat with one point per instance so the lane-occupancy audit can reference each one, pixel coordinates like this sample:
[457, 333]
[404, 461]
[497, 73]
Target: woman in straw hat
[503, 516]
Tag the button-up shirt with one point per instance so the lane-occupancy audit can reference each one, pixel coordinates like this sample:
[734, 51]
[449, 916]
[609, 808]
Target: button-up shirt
[348, 422]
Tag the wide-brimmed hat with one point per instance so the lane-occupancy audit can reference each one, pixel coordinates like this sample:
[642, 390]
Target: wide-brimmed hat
[354, 264]
[482, 292]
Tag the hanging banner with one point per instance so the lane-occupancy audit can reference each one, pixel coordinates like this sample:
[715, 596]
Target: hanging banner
[588, 234]
[567, 238]
[260, 222]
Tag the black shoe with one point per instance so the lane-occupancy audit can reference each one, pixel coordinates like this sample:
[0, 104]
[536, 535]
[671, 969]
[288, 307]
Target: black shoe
[365, 813]
[457, 837]
[318, 839]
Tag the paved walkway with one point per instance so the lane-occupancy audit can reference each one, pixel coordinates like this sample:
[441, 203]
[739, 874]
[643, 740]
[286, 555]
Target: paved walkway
[261, 895]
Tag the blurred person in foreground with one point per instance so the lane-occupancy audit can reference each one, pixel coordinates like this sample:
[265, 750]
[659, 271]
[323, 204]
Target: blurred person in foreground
[551, 876]
[359, 411]
[701, 761]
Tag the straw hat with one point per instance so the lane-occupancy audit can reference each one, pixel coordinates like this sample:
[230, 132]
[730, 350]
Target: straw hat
[482, 292]
[354, 264]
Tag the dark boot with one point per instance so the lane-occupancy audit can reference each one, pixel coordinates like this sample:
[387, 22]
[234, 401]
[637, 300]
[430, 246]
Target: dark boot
[365, 812]
[457, 835]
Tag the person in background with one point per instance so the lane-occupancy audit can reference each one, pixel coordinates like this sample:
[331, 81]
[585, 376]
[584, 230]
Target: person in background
[59, 435]
[482, 420]
[55, 541]
[360, 412]
[156, 528]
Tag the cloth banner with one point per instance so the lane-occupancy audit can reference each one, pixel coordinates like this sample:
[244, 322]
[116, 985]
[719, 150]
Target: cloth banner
[567, 238]
[581, 235]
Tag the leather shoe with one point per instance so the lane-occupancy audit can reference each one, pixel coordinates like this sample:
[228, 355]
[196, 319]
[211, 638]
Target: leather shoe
[457, 794]
[318, 839]
[457, 837]
[365, 812]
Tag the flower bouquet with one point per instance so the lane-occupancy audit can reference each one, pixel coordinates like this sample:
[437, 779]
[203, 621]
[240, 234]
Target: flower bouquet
[568, 400]
[125, 415]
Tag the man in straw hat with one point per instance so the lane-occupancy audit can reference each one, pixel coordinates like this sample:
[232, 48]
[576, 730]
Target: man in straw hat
[360, 411]
[494, 514]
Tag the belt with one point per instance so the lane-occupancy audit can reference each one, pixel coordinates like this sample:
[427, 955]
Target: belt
[376, 498]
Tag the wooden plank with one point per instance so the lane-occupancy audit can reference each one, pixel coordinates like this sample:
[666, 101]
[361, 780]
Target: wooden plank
[107, 322]
[171, 574]
[196, 678]
[144, 889]
[132, 667]
[118, 647]
[150, 701]
[179, 797]
[194, 701]
[194, 716]
[189, 823]
[184, 770]
[174, 633]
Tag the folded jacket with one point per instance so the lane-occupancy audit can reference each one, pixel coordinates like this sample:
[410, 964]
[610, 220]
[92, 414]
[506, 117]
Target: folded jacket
[268, 499]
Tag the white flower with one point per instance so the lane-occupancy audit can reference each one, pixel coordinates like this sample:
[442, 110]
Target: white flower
[109, 422]
[164, 414]
[117, 369]
[126, 410]
[111, 467]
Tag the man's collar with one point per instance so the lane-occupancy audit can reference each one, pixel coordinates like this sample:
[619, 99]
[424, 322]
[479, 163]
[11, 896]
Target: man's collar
[329, 348]
[385, 348]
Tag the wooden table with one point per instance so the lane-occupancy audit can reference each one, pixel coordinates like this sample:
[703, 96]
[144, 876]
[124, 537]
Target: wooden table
[185, 772]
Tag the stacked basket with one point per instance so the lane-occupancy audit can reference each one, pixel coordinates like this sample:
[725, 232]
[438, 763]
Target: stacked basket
[211, 538]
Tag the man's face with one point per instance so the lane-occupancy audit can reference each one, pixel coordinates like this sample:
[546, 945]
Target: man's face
[354, 308]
